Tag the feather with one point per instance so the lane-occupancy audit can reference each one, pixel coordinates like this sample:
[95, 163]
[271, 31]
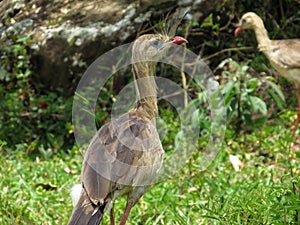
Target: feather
[175, 20]
[75, 193]
[83, 212]
[286, 53]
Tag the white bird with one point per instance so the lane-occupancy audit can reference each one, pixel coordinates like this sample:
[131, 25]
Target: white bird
[284, 55]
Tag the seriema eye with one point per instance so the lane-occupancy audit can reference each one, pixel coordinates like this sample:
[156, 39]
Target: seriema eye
[156, 43]
[244, 21]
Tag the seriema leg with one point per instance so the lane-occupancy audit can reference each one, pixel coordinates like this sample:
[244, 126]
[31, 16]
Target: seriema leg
[298, 114]
[112, 218]
[126, 213]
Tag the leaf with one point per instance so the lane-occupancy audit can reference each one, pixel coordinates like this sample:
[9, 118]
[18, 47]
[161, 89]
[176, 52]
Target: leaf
[244, 96]
[178, 138]
[195, 118]
[202, 97]
[229, 91]
[70, 171]
[244, 69]
[227, 88]
[253, 83]
[236, 163]
[276, 88]
[208, 22]
[275, 97]
[22, 39]
[232, 108]
[258, 105]
[46, 186]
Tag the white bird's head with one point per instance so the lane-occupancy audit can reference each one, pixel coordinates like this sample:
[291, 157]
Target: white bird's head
[249, 20]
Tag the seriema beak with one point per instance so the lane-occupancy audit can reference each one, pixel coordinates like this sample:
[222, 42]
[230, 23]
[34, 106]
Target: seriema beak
[178, 40]
[237, 31]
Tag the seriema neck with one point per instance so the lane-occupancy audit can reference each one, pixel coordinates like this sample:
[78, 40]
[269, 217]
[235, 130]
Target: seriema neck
[146, 90]
[262, 35]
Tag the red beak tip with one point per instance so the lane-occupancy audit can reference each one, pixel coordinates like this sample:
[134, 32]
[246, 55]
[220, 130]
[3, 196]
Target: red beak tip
[178, 40]
[237, 31]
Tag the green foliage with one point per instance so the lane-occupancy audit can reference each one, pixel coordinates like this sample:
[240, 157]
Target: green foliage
[168, 125]
[35, 192]
[200, 118]
[264, 191]
[42, 124]
[244, 96]
[210, 23]
[30, 114]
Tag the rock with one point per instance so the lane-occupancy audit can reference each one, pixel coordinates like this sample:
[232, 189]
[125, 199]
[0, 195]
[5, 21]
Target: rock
[67, 36]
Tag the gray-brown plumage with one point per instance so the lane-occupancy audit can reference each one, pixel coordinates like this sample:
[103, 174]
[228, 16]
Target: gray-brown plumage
[284, 55]
[126, 153]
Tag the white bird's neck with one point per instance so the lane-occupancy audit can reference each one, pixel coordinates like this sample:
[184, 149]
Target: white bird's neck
[262, 36]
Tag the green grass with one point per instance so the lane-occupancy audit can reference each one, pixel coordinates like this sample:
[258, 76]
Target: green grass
[264, 191]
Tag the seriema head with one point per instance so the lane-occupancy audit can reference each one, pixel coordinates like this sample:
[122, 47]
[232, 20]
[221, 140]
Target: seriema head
[152, 47]
[249, 20]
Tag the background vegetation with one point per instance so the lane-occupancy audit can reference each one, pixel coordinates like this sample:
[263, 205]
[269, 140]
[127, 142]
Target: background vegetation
[255, 178]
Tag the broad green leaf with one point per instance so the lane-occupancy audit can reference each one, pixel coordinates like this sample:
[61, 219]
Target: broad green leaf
[258, 105]
[229, 91]
[276, 88]
[195, 118]
[275, 97]
[228, 87]
[22, 39]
